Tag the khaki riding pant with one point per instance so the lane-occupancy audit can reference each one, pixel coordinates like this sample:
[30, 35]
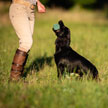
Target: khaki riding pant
[22, 19]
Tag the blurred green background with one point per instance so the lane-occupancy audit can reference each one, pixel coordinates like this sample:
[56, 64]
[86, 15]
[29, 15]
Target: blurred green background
[100, 4]
[69, 4]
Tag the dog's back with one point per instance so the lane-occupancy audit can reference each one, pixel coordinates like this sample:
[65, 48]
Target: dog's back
[72, 61]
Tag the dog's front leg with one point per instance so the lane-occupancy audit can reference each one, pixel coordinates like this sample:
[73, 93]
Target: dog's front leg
[59, 73]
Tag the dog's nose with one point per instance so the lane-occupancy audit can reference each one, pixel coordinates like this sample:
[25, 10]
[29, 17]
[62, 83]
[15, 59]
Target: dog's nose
[56, 26]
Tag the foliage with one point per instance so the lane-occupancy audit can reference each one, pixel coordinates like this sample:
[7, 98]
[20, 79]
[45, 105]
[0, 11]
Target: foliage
[45, 2]
[85, 2]
[62, 3]
[70, 3]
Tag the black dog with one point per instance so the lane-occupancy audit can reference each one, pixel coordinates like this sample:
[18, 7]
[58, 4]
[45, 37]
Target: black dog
[67, 58]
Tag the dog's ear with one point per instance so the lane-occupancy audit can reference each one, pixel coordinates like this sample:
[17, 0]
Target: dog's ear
[53, 29]
[61, 23]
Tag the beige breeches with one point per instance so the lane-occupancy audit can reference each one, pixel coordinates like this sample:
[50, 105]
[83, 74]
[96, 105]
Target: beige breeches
[22, 19]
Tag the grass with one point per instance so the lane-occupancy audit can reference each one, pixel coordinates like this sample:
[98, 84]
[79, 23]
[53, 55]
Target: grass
[89, 35]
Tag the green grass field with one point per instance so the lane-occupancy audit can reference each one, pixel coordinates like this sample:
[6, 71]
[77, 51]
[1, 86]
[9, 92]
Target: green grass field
[42, 89]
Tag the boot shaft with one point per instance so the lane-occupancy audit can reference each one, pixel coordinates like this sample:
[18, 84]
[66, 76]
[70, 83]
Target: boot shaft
[18, 64]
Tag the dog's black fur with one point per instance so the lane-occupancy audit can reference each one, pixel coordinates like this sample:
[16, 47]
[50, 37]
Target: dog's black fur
[66, 57]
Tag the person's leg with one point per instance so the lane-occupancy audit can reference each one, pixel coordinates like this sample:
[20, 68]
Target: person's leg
[20, 22]
[31, 16]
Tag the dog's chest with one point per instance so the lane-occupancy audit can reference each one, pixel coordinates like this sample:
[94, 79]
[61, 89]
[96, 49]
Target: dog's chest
[61, 42]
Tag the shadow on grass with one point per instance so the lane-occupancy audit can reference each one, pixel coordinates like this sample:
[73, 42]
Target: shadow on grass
[38, 64]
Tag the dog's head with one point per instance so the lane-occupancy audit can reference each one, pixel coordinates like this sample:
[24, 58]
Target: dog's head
[59, 29]
[63, 35]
